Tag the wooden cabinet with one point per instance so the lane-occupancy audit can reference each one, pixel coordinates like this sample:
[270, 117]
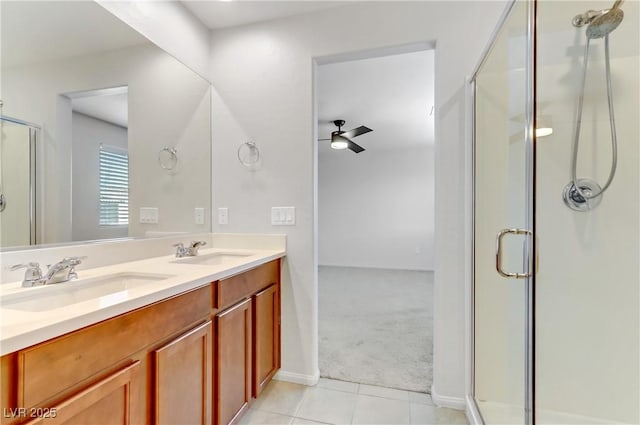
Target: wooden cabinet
[196, 358]
[233, 368]
[266, 337]
[247, 338]
[124, 370]
[183, 378]
[110, 401]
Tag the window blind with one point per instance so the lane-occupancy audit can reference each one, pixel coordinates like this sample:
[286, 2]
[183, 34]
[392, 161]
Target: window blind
[114, 186]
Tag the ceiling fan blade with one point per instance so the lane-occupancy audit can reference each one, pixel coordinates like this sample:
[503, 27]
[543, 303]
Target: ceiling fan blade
[356, 132]
[323, 140]
[355, 147]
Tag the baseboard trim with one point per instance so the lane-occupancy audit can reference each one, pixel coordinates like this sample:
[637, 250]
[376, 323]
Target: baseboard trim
[457, 403]
[297, 378]
[473, 414]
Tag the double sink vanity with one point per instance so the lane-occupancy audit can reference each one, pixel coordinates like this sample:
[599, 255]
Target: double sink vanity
[189, 340]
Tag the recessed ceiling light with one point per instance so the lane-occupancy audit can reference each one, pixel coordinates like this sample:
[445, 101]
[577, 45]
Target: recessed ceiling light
[544, 131]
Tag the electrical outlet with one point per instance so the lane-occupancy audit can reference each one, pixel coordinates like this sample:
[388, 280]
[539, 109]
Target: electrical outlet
[148, 215]
[198, 215]
[223, 215]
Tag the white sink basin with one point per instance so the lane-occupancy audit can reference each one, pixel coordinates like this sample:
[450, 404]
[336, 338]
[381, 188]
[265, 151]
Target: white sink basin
[213, 259]
[113, 287]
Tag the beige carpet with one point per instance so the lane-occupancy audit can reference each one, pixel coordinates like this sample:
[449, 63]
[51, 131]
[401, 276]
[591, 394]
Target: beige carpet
[376, 326]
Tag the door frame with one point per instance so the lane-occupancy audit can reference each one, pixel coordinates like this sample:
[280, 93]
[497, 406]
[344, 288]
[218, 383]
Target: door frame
[473, 412]
[316, 61]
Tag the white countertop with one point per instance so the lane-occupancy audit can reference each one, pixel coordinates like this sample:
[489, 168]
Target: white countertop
[20, 328]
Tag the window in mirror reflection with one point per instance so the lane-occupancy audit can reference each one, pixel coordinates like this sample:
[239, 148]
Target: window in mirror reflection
[114, 186]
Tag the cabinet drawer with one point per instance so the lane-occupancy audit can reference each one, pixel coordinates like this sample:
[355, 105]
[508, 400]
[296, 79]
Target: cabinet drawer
[235, 288]
[62, 364]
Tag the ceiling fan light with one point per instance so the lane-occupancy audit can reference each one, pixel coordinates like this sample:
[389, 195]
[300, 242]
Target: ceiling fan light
[338, 142]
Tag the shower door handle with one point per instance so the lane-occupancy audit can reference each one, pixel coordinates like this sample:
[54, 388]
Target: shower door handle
[501, 234]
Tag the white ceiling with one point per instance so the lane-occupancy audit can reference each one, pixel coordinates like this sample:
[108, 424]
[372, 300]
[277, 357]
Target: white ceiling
[224, 14]
[34, 28]
[110, 105]
[393, 95]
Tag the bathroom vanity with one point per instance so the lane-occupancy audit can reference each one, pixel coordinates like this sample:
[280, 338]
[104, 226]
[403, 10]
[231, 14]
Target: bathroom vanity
[198, 354]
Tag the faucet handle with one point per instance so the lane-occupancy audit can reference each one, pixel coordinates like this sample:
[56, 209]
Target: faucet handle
[180, 250]
[74, 261]
[194, 246]
[31, 275]
[29, 265]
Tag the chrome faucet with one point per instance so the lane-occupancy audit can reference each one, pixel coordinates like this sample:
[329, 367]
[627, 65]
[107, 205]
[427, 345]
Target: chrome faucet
[188, 251]
[62, 271]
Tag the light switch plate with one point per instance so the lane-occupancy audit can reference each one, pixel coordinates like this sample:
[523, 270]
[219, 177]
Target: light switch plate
[283, 216]
[149, 215]
[223, 215]
[198, 215]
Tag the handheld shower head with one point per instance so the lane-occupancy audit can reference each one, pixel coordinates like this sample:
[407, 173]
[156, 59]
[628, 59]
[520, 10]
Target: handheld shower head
[605, 23]
[579, 191]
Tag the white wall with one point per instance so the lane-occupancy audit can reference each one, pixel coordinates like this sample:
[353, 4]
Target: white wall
[375, 209]
[169, 105]
[263, 78]
[169, 25]
[88, 134]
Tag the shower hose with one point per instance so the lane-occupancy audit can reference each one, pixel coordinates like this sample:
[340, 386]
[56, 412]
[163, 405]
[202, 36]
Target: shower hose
[612, 122]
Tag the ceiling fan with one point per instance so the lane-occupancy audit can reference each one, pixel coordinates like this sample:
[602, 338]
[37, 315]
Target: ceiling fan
[342, 139]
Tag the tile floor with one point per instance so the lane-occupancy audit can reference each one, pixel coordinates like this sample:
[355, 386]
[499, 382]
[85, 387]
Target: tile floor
[339, 402]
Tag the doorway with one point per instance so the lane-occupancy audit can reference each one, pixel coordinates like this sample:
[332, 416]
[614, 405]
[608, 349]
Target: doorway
[99, 121]
[375, 218]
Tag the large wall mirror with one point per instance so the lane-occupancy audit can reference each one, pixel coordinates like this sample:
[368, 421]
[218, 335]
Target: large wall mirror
[104, 135]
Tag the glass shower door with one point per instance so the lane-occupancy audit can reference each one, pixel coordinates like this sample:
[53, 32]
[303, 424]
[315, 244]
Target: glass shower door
[503, 111]
[17, 180]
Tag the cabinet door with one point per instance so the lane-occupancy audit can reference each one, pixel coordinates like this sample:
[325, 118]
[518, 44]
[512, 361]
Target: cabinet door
[183, 378]
[266, 334]
[233, 362]
[111, 401]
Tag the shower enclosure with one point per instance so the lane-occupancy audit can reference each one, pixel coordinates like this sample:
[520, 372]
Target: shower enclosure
[17, 182]
[555, 312]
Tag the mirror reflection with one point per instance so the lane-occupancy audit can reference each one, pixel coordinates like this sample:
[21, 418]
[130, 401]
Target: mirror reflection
[88, 107]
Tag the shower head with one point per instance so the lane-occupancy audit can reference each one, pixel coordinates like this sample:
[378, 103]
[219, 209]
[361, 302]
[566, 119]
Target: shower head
[602, 25]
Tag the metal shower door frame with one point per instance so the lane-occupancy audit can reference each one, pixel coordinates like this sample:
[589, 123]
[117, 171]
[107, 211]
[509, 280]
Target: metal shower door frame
[529, 190]
[34, 134]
